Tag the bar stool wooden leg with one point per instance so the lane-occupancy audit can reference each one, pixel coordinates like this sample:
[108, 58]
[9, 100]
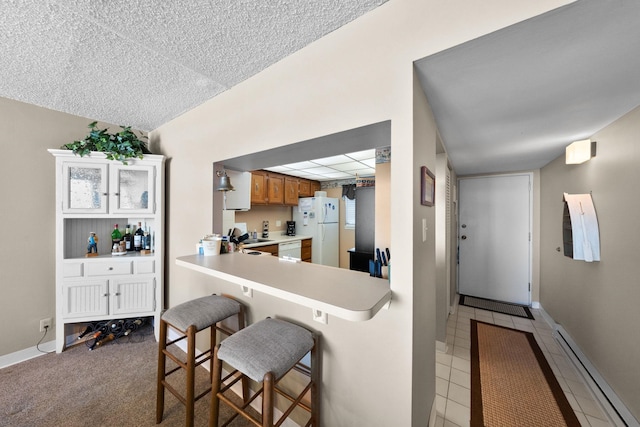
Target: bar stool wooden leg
[161, 372]
[316, 378]
[191, 376]
[268, 400]
[216, 380]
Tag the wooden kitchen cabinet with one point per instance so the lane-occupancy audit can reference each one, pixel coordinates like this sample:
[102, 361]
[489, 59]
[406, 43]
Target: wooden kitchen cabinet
[272, 249]
[259, 195]
[268, 188]
[305, 252]
[275, 184]
[304, 188]
[291, 191]
[315, 186]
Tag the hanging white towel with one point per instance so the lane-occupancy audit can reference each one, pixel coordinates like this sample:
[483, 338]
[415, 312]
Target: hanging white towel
[584, 227]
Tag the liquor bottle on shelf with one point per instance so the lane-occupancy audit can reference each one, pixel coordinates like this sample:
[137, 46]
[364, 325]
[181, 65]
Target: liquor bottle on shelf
[116, 236]
[137, 238]
[147, 241]
[128, 239]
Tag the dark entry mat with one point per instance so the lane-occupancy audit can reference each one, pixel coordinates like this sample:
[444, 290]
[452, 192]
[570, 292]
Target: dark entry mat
[497, 306]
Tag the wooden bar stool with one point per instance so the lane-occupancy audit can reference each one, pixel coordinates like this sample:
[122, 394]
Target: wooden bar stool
[265, 352]
[188, 319]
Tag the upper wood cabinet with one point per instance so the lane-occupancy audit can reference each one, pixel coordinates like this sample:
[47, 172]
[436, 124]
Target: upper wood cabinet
[276, 189]
[304, 188]
[268, 188]
[291, 191]
[315, 186]
[259, 188]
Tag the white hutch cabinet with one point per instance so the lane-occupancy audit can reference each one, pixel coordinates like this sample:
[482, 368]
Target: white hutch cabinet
[92, 195]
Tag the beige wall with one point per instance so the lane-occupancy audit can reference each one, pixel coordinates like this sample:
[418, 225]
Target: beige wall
[357, 75]
[254, 217]
[597, 303]
[27, 191]
[423, 256]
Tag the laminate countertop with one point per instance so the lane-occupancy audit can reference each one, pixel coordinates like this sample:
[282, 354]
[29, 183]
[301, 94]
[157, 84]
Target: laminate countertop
[347, 294]
[275, 240]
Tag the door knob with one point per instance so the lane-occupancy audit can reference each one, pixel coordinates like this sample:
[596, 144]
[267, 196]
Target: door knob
[463, 237]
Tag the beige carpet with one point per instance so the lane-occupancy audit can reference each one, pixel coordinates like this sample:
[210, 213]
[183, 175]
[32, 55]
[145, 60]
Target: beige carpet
[512, 384]
[114, 385]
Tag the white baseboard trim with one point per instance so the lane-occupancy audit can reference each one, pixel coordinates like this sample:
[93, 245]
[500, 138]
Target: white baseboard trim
[535, 304]
[441, 346]
[615, 409]
[236, 388]
[432, 416]
[27, 353]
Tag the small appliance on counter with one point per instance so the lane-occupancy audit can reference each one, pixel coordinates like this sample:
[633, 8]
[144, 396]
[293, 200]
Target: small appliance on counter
[291, 228]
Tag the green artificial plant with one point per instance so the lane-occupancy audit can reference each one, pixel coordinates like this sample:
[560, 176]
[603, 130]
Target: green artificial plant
[117, 146]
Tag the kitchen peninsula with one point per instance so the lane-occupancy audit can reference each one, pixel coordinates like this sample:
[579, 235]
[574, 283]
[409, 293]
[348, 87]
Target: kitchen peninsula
[347, 294]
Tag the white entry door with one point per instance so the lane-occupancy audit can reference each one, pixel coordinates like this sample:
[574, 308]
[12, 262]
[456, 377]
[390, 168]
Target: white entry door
[494, 237]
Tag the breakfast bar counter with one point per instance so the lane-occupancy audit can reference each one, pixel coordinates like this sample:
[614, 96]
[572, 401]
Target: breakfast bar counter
[347, 294]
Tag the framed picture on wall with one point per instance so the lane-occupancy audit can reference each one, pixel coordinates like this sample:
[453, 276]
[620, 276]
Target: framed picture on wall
[427, 187]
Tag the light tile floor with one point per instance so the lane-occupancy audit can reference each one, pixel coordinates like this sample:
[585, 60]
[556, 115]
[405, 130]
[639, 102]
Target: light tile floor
[453, 378]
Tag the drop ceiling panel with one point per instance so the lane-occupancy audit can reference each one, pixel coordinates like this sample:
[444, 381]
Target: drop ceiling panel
[331, 168]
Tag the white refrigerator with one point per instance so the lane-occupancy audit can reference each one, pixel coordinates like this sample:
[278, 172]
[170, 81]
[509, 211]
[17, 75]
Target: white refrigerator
[318, 217]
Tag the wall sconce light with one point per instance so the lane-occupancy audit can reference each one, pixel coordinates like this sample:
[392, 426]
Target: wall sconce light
[224, 184]
[580, 151]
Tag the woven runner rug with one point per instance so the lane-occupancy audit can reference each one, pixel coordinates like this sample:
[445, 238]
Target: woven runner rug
[511, 382]
[497, 306]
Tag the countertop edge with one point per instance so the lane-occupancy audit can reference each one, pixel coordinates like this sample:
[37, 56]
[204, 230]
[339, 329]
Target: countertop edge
[313, 304]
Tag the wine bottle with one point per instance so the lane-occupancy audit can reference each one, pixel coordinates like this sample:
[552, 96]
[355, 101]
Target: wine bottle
[117, 326]
[137, 238]
[102, 341]
[128, 240]
[85, 332]
[116, 236]
[147, 241]
[132, 326]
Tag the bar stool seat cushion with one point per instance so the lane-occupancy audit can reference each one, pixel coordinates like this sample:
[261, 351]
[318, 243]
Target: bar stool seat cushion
[201, 312]
[271, 345]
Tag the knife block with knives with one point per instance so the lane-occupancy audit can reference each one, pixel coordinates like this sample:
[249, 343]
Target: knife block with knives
[379, 267]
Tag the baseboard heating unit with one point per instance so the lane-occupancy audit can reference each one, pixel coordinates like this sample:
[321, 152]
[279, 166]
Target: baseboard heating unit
[609, 400]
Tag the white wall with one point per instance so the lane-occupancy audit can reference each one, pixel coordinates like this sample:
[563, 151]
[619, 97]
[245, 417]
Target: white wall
[357, 75]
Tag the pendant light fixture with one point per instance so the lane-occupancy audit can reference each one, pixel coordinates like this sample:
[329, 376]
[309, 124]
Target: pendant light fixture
[224, 185]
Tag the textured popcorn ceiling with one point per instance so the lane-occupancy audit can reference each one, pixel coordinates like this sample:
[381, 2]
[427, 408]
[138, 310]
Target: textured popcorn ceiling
[143, 62]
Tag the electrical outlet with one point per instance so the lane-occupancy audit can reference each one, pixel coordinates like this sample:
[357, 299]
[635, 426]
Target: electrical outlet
[46, 324]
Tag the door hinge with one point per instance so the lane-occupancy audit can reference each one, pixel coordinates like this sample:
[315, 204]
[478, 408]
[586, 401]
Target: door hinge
[529, 287]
